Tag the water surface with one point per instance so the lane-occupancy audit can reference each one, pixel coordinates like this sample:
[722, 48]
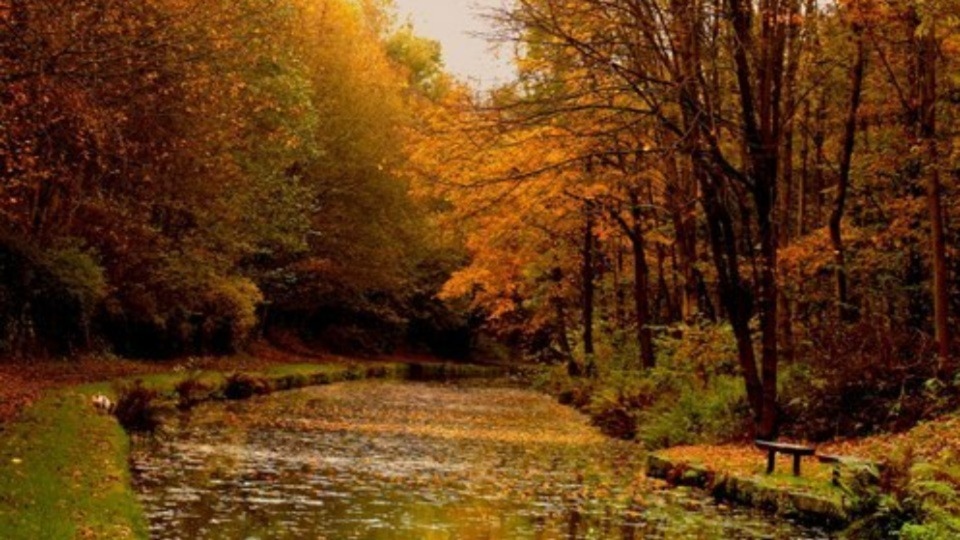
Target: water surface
[402, 460]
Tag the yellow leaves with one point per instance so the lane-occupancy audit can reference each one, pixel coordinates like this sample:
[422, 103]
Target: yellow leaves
[466, 281]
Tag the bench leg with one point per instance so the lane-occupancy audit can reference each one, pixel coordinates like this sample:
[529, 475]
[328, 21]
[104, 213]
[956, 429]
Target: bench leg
[796, 464]
[771, 460]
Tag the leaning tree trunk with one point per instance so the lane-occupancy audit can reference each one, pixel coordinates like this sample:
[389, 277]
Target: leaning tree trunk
[844, 310]
[735, 296]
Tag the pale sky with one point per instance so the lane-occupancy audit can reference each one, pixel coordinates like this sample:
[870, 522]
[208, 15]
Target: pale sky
[452, 23]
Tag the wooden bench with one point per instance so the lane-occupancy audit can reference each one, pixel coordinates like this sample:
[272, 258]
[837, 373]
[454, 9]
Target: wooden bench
[796, 450]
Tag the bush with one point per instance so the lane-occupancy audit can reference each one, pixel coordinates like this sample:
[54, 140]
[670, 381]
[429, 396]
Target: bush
[698, 393]
[694, 395]
[137, 408]
[857, 379]
[290, 382]
[171, 305]
[715, 414]
[79, 275]
[572, 391]
[912, 500]
[244, 386]
[615, 404]
[230, 309]
[936, 490]
[47, 298]
[192, 390]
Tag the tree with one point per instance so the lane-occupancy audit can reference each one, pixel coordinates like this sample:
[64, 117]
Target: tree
[844, 310]
[661, 57]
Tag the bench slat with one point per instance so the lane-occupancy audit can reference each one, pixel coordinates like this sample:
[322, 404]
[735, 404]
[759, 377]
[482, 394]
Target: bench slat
[786, 447]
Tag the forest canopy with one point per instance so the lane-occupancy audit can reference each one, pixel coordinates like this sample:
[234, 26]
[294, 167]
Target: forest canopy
[706, 190]
[178, 175]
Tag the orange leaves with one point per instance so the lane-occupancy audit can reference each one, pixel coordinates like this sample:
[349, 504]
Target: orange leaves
[933, 441]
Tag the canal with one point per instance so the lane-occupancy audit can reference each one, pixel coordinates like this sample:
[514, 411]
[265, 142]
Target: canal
[405, 460]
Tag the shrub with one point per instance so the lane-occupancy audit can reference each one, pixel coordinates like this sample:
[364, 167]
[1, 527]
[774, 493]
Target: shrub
[290, 382]
[694, 395]
[936, 489]
[715, 414]
[321, 378]
[697, 394]
[47, 298]
[353, 373]
[244, 386]
[617, 401]
[230, 307]
[137, 408]
[79, 275]
[192, 390]
[173, 305]
[377, 372]
[912, 500]
[857, 378]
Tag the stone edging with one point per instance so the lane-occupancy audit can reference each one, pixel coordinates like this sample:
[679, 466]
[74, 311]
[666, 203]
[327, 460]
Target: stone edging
[797, 505]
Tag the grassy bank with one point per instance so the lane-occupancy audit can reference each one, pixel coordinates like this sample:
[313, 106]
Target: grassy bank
[903, 485]
[811, 498]
[695, 413]
[63, 473]
[64, 466]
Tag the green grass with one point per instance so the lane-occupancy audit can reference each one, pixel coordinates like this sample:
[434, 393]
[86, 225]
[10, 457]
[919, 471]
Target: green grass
[804, 484]
[64, 474]
[64, 467]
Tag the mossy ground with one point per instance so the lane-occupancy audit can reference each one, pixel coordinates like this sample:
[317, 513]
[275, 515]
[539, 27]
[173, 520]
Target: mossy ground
[750, 462]
[738, 475]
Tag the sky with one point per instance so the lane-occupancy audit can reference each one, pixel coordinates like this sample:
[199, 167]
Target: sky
[455, 23]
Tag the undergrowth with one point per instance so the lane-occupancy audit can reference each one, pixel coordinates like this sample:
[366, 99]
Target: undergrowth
[910, 499]
[693, 395]
[137, 409]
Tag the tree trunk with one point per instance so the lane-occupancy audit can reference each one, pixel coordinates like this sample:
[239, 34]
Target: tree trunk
[619, 313]
[560, 313]
[928, 138]
[845, 311]
[819, 159]
[641, 284]
[760, 110]
[735, 297]
[794, 48]
[587, 276]
[681, 194]
[804, 173]
[768, 304]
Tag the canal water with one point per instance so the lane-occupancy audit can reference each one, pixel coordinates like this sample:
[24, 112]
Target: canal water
[404, 460]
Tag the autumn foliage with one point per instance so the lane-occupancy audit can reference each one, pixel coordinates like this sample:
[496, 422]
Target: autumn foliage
[179, 176]
[672, 196]
[782, 170]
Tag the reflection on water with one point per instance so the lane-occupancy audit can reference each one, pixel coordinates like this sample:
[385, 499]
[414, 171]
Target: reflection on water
[399, 460]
